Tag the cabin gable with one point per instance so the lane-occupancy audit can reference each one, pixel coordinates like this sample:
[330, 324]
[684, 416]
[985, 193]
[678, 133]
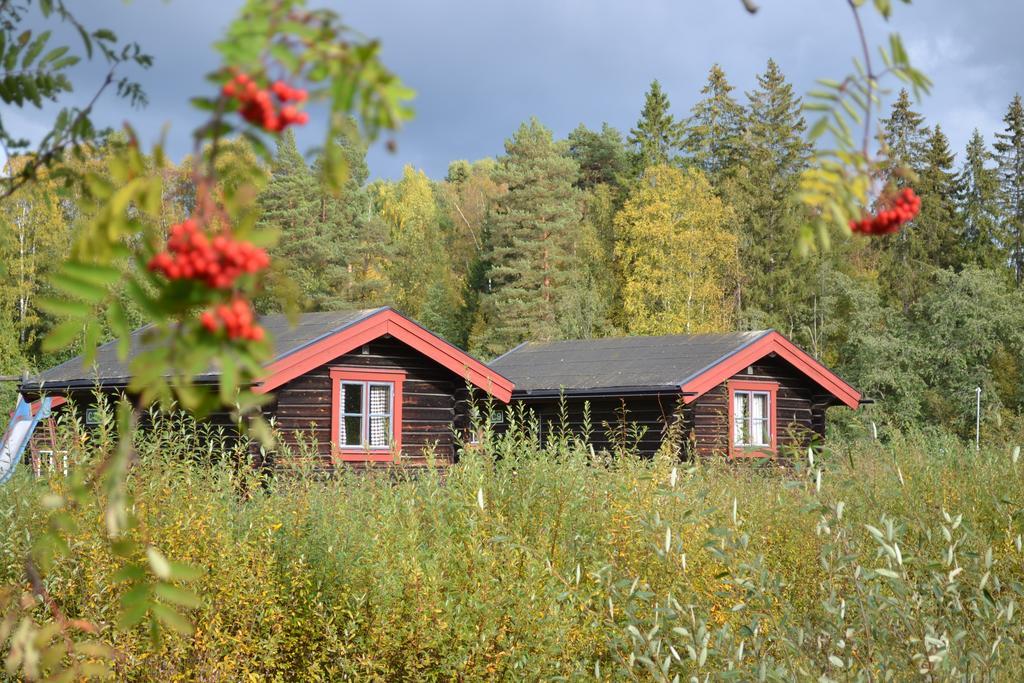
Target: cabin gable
[305, 407]
[739, 394]
[797, 408]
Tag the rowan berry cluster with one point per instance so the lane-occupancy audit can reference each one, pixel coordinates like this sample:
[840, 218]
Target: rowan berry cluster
[900, 210]
[258, 107]
[236, 318]
[192, 255]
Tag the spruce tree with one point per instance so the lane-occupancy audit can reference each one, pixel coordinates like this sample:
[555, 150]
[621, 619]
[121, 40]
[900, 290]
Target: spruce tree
[714, 131]
[979, 206]
[289, 205]
[935, 233]
[774, 287]
[905, 134]
[906, 139]
[656, 137]
[1009, 153]
[530, 242]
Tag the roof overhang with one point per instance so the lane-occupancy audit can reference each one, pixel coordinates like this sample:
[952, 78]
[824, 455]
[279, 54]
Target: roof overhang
[596, 392]
[772, 342]
[385, 321]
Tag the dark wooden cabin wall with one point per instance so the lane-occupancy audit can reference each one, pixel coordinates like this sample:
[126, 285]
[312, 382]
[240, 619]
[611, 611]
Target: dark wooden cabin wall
[613, 421]
[800, 406]
[704, 428]
[303, 405]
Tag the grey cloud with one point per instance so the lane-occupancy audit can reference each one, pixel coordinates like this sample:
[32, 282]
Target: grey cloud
[480, 68]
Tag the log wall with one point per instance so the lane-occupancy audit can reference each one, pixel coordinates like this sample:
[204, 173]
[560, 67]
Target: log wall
[302, 407]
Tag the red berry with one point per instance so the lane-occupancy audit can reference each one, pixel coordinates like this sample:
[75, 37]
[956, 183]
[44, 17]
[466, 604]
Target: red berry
[209, 321]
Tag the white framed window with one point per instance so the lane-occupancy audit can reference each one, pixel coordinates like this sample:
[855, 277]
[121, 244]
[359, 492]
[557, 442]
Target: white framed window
[751, 414]
[367, 414]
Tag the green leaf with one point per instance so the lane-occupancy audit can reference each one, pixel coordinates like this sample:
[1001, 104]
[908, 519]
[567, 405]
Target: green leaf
[53, 55]
[76, 286]
[62, 335]
[65, 308]
[158, 563]
[178, 596]
[34, 49]
[129, 572]
[185, 572]
[171, 619]
[119, 325]
[818, 129]
[91, 341]
[228, 379]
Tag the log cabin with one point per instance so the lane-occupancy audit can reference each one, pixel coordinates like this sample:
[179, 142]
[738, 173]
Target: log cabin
[739, 394]
[366, 386]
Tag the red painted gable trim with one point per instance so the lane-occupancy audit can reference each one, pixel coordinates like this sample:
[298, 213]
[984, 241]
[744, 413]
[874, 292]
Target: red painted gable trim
[772, 342]
[398, 326]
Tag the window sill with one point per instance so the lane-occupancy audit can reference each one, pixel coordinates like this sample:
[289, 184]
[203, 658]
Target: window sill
[752, 452]
[364, 455]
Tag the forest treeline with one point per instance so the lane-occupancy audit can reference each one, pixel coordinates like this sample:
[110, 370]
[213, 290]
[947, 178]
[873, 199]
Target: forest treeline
[688, 222]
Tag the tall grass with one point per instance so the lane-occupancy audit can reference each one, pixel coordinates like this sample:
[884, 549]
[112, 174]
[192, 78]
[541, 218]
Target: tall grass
[867, 561]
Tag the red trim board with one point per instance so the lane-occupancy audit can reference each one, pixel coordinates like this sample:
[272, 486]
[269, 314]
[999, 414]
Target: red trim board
[773, 342]
[772, 388]
[396, 378]
[398, 326]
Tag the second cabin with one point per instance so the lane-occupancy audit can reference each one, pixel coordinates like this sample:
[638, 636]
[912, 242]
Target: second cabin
[743, 394]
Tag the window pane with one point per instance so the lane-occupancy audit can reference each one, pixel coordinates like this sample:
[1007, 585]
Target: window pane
[380, 431]
[352, 430]
[739, 432]
[760, 406]
[759, 420]
[757, 433]
[741, 415]
[352, 400]
[380, 399]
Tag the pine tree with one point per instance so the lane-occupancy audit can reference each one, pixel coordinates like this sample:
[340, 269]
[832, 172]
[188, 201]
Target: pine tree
[530, 237]
[676, 255]
[601, 156]
[714, 131]
[979, 206]
[1009, 152]
[774, 287]
[656, 137]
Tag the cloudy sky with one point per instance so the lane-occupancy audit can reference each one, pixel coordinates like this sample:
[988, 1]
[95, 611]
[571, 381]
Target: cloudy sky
[480, 67]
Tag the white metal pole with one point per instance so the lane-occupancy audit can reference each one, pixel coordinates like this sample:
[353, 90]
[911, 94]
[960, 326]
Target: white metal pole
[977, 420]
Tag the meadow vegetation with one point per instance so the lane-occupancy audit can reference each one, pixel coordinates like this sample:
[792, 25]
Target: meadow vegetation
[870, 560]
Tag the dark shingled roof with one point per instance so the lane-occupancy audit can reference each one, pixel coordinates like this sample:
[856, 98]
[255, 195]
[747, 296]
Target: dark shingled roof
[109, 370]
[623, 364]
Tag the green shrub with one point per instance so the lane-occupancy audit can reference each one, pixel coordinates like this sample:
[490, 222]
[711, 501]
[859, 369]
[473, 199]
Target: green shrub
[867, 561]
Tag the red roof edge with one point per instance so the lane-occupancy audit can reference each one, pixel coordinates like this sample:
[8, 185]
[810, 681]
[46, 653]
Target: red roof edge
[387, 321]
[769, 343]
